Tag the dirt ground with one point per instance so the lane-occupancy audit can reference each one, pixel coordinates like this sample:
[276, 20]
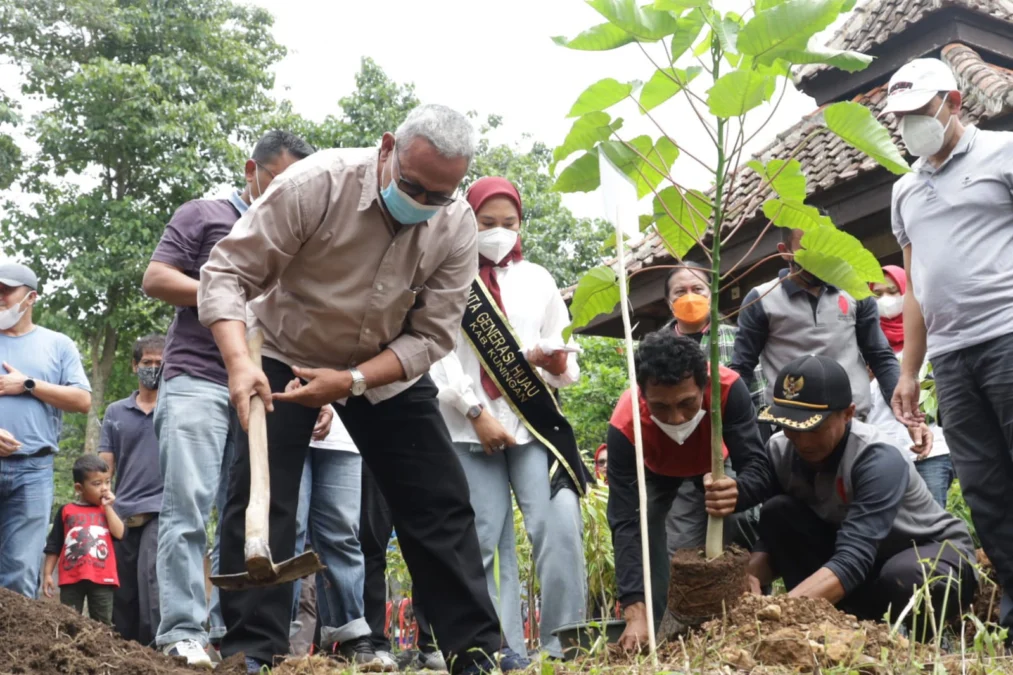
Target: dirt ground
[46, 638]
[759, 635]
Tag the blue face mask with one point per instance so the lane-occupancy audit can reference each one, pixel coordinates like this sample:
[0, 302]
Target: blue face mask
[401, 206]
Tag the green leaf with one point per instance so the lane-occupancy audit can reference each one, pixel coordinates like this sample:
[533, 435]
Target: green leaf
[662, 155]
[681, 220]
[664, 84]
[839, 259]
[600, 95]
[600, 38]
[702, 47]
[847, 61]
[644, 23]
[585, 133]
[857, 127]
[831, 241]
[679, 5]
[786, 27]
[727, 31]
[685, 35]
[610, 243]
[596, 293]
[627, 160]
[646, 221]
[794, 215]
[738, 92]
[581, 175]
[788, 181]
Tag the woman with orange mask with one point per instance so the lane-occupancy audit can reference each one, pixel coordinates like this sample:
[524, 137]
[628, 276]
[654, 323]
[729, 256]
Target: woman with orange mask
[689, 295]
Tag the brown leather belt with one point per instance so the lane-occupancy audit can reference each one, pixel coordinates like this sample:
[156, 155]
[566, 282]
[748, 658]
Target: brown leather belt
[140, 520]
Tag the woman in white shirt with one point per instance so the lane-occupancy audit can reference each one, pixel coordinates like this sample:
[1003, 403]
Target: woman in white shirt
[933, 459]
[497, 447]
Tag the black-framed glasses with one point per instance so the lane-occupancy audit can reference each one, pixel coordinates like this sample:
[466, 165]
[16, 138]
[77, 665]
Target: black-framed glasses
[413, 189]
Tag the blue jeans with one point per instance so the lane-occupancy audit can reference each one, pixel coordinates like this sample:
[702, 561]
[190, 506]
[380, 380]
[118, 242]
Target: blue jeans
[937, 472]
[195, 429]
[553, 524]
[328, 513]
[26, 498]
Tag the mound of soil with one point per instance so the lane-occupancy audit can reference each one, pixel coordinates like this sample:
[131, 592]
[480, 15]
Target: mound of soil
[700, 589]
[45, 638]
[773, 633]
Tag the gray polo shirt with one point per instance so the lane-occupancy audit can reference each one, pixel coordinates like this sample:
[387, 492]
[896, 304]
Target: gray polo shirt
[129, 434]
[958, 220]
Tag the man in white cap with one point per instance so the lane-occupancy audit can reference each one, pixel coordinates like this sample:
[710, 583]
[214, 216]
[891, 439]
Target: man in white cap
[41, 377]
[953, 217]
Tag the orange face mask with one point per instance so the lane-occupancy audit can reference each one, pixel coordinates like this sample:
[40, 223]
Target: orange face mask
[692, 308]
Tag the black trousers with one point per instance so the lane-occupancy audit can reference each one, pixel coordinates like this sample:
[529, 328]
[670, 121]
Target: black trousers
[406, 448]
[135, 602]
[799, 543]
[975, 387]
[406, 445]
[375, 528]
[258, 619]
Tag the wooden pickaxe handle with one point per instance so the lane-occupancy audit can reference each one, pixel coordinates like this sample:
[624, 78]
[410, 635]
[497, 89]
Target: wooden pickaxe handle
[257, 549]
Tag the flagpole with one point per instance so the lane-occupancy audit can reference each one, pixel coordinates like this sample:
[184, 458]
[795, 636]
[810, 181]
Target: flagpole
[638, 440]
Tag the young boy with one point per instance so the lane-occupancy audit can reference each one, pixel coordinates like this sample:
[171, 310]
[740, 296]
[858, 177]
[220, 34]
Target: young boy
[81, 541]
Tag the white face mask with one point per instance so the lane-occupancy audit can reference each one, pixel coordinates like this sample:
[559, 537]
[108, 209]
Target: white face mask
[924, 134]
[9, 317]
[494, 244]
[680, 432]
[890, 306]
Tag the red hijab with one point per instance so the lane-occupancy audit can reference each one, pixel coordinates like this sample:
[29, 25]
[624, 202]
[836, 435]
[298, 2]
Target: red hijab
[480, 192]
[602, 476]
[894, 328]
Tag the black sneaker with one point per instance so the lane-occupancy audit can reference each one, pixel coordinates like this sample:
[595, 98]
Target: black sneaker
[361, 654]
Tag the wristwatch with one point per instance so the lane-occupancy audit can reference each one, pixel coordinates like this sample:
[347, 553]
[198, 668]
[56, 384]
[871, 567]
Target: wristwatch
[29, 386]
[475, 411]
[359, 385]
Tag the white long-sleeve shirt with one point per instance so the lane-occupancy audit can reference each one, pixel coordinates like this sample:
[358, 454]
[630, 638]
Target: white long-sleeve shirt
[536, 311]
[881, 416]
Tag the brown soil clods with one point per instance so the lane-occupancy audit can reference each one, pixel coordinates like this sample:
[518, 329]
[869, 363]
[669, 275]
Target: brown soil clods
[700, 589]
[799, 634]
[47, 638]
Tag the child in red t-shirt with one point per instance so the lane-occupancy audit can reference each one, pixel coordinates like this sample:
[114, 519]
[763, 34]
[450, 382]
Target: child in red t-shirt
[81, 541]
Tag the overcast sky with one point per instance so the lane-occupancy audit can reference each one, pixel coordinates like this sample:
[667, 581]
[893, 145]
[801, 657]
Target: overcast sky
[492, 57]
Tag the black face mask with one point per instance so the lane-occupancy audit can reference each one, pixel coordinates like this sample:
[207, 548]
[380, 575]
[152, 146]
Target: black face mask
[806, 278]
[149, 376]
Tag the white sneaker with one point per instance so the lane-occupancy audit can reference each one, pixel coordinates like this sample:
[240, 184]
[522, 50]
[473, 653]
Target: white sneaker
[190, 650]
[387, 660]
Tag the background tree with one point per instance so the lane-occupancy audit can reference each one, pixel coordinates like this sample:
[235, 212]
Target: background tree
[143, 104]
[10, 153]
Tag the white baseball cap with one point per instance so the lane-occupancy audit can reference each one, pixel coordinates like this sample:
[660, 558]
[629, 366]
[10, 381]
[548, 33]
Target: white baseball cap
[916, 83]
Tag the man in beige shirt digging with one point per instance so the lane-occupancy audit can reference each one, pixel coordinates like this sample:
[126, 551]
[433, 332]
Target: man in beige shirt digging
[356, 265]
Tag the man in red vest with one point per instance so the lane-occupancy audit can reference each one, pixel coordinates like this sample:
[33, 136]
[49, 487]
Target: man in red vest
[675, 398]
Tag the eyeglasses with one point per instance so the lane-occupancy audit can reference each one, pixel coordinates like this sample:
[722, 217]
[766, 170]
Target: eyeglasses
[413, 189]
[271, 173]
[601, 462]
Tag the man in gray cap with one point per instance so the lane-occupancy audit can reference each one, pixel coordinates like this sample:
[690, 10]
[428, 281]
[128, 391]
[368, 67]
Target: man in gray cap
[41, 377]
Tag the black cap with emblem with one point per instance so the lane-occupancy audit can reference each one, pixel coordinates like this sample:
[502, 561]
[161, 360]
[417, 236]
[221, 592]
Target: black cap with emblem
[806, 391]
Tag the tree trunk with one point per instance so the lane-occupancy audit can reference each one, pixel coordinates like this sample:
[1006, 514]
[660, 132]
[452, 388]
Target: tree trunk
[103, 355]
